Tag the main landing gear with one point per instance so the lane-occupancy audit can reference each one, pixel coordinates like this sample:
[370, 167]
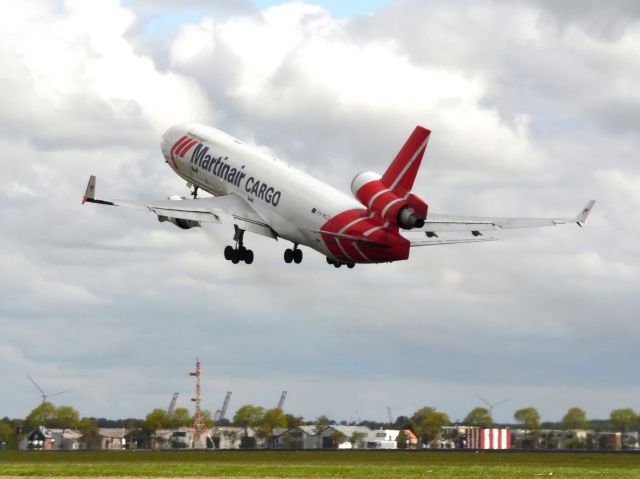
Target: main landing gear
[239, 253]
[293, 255]
[337, 264]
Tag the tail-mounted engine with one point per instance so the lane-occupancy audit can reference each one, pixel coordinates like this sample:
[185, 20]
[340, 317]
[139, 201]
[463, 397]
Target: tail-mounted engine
[398, 207]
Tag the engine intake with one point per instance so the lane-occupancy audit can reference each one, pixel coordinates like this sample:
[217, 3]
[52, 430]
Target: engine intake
[179, 222]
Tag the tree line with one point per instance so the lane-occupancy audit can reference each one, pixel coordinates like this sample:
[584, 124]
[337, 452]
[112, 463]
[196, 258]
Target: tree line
[426, 423]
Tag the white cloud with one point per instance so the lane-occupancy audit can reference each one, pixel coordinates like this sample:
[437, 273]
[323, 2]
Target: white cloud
[73, 77]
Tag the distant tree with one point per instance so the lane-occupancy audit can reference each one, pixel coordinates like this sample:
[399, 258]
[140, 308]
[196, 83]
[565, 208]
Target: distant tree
[427, 424]
[479, 417]
[356, 438]
[7, 434]
[337, 438]
[180, 417]
[432, 426]
[530, 420]
[528, 417]
[322, 423]
[207, 417]
[271, 420]
[293, 421]
[248, 416]
[575, 418]
[401, 422]
[223, 422]
[419, 416]
[41, 415]
[65, 417]
[156, 419]
[138, 437]
[623, 419]
[402, 440]
[89, 429]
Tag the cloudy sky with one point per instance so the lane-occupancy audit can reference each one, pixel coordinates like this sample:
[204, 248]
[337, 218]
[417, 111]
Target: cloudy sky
[534, 108]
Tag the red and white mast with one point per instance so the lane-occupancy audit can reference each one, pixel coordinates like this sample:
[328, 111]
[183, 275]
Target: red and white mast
[199, 428]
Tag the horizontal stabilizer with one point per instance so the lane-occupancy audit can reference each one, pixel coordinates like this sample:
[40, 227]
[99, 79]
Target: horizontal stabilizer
[438, 242]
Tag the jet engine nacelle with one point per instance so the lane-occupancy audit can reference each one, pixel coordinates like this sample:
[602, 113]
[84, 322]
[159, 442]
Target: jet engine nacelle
[400, 208]
[179, 222]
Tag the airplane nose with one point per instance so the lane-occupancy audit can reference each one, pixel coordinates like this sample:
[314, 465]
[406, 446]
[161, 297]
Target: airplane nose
[167, 140]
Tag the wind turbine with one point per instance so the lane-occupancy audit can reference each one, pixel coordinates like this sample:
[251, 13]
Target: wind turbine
[44, 395]
[491, 405]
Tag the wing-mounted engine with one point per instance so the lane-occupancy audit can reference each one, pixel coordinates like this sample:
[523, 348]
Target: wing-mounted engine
[179, 222]
[396, 206]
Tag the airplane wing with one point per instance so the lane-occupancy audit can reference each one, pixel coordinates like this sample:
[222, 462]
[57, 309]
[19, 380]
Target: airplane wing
[206, 210]
[444, 223]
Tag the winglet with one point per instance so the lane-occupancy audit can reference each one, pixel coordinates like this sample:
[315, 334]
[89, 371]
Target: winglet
[584, 213]
[90, 193]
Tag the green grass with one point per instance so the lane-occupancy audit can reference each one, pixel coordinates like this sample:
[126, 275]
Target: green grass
[316, 464]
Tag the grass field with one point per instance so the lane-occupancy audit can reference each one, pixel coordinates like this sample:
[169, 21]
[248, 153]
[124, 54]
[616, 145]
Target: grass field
[315, 464]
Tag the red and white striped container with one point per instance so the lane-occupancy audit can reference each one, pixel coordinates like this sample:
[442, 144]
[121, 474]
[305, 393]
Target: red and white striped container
[479, 438]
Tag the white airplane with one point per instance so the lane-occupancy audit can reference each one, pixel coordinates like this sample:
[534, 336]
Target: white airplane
[258, 193]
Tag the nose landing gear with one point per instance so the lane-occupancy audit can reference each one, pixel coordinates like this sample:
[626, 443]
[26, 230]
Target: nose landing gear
[239, 253]
[293, 255]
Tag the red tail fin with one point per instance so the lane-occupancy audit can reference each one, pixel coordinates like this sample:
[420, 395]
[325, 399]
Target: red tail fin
[402, 172]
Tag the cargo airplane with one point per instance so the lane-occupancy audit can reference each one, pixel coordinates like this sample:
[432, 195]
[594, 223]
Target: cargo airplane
[260, 194]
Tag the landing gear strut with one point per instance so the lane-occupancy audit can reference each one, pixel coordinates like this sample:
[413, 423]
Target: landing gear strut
[337, 264]
[239, 253]
[293, 255]
[194, 193]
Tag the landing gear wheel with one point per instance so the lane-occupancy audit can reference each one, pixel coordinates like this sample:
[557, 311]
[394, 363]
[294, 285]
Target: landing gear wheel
[336, 265]
[297, 256]
[350, 265]
[240, 252]
[288, 255]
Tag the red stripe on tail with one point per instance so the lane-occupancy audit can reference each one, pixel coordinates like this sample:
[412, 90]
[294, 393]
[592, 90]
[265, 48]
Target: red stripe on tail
[403, 170]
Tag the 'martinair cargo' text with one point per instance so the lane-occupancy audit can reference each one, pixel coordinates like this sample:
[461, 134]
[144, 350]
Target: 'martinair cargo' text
[203, 159]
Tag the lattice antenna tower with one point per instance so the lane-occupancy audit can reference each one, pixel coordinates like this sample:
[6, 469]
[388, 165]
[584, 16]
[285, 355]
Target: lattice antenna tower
[199, 428]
